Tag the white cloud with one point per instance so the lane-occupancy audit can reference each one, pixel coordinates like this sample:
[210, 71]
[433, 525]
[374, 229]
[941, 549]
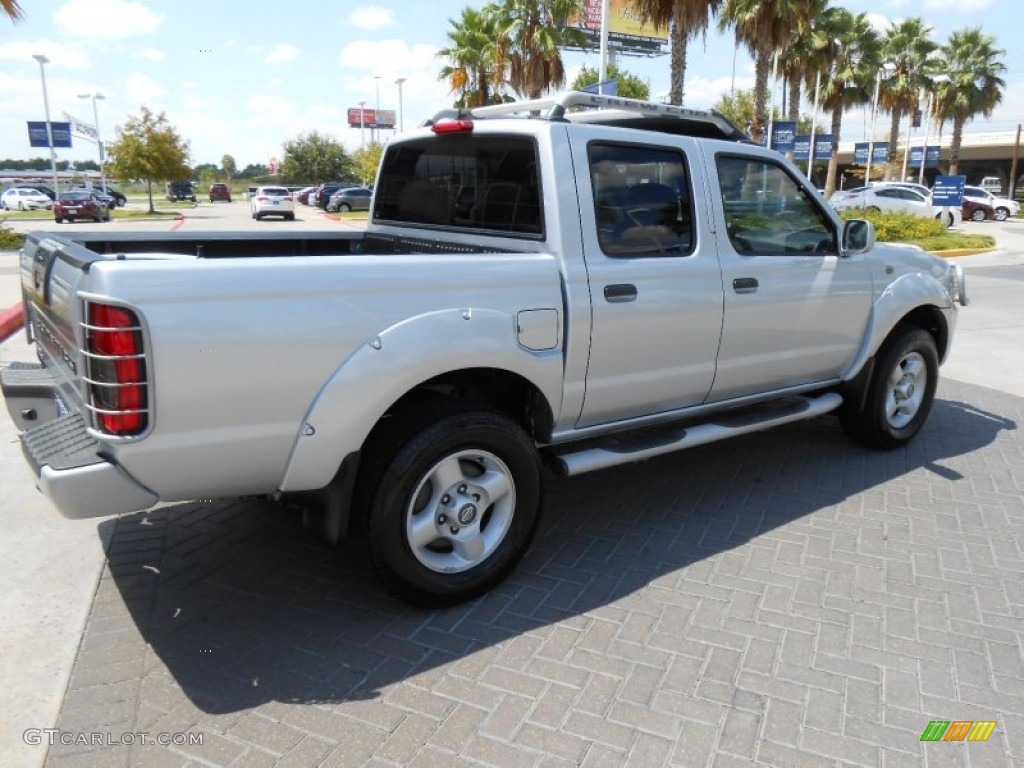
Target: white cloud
[150, 54]
[963, 7]
[189, 85]
[142, 89]
[281, 53]
[106, 19]
[879, 22]
[266, 105]
[72, 55]
[388, 58]
[371, 17]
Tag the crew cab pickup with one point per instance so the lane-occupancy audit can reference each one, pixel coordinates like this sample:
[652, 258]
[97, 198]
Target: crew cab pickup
[535, 286]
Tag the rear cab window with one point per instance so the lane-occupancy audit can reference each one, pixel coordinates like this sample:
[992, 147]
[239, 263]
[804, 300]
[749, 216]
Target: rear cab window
[463, 181]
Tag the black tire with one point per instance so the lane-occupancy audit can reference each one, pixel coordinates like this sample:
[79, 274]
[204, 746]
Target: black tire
[58, 221]
[978, 214]
[464, 550]
[290, 217]
[345, 207]
[1002, 214]
[900, 392]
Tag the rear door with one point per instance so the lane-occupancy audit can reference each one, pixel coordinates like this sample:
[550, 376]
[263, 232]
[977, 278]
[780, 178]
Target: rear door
[655, 281]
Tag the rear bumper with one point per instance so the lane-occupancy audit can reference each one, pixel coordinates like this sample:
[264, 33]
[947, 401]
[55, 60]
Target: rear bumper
[68, 462]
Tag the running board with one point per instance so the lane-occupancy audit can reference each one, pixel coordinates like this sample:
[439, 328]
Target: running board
[726, 425]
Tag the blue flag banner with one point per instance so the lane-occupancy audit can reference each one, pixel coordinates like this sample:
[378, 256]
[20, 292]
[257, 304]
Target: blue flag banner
[860, 153]
[38, 136]
[801, 147]
[610, 87]
[879, 152]
[784, 135]
[931, 157]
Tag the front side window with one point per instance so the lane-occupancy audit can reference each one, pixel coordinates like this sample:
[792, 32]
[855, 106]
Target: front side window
[767, 212]
[462, 181]
[642, 200]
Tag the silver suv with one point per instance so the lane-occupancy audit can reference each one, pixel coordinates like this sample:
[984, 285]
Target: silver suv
[350, 199]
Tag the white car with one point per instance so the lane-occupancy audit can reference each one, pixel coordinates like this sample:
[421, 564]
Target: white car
[895, 198]
[1003, 207]
[24, 199]
[272, 201]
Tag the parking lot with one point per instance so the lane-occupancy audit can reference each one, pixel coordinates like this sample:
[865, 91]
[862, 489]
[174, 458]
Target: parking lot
[781, 599]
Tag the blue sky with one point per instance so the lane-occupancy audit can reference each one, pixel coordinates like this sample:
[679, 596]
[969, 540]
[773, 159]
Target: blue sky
[242, 77]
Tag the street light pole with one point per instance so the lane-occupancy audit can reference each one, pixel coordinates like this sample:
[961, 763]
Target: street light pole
[49, 126]
[401, 118]
[362, 124]
[99, 136]
[376, 117]
[871, 134]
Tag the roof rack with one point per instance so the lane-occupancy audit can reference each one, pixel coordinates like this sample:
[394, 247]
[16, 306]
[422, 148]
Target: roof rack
[611, 110]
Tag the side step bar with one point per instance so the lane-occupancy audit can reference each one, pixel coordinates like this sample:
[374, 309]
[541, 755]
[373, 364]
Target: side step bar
[724, 426]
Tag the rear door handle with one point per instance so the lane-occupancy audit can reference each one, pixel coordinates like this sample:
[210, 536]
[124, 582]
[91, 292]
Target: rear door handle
[620, 292]
[745, 284]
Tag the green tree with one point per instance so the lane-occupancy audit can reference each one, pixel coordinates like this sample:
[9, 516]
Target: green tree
[149, 148]
[254, 171]
[910, 53]
[471, 54]
[11, 9]
[530, 37]
[765, 27]
[230, 167]
[796, 56]
[851, 51]
[973, 85]
[630, 86]
[314, 156]
[685, 19]
[367, 160]
[739, 108]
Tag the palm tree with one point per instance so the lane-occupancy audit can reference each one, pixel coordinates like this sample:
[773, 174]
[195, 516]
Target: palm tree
[795, 59]
[909, 51]
[851, 51]
[973, 85]
[687, 18]
[11, 9]
[765, 27]
[530, 35]
[471, 55]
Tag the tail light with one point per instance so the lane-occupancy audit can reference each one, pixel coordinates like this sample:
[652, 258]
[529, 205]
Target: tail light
[262, 199]
[115, 370]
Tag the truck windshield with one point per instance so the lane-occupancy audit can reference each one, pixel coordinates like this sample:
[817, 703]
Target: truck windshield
[462, 181]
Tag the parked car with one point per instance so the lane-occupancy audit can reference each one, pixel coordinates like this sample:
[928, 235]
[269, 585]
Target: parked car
[1003, 207]
[119, 197]
[323, 193]
[273, 201]
[108, 199]
[24, 199]
[302, 195]
[80, 204]
[220, 192]
[350, 199]
[904, 184]
[894, 198]
[977, 211]
[180, 190]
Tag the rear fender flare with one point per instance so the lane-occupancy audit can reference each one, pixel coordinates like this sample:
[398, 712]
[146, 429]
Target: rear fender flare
[393, 363]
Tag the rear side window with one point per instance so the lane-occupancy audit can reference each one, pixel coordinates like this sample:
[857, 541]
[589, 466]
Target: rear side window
[642, 200]
[462, 181]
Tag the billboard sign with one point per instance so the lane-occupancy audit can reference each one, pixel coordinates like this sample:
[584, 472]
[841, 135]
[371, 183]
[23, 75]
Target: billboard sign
[371, 118]
[82, 128]
[626, 31]
[38, 136]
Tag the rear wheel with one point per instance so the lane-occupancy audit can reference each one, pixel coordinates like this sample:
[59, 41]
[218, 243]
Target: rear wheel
[978, 214]
[345, 207]
[454, 505]
[899, 394]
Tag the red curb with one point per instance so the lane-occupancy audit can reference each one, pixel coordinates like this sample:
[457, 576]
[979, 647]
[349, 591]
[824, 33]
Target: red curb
[11, 320]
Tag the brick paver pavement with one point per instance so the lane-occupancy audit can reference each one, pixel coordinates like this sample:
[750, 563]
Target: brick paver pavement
[784, 599]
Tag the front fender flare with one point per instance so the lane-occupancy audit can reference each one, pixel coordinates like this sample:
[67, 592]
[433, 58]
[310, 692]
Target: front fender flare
[394, 362]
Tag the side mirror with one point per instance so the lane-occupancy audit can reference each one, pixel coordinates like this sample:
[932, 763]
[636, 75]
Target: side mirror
[858, 236]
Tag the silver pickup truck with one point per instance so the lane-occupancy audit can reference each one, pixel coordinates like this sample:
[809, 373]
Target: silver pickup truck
[536, 285]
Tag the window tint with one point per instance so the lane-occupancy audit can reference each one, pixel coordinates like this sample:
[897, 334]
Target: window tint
[767, 212]
[462, 181]
[642, 200]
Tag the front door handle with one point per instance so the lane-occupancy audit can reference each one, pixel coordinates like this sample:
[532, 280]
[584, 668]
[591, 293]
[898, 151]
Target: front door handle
[745, 284]
[620, 292]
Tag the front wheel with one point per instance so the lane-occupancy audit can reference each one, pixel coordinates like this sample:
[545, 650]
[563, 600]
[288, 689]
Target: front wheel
[1002, 214]
[900, 392]
[978, 214]
[345, 207]
[454, 507]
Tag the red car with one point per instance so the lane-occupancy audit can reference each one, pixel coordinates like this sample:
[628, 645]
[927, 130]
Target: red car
[977, 211]
[79, 204]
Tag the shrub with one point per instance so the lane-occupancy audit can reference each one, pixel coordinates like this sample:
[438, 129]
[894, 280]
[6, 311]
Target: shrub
[898, 227]
[9, 239]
